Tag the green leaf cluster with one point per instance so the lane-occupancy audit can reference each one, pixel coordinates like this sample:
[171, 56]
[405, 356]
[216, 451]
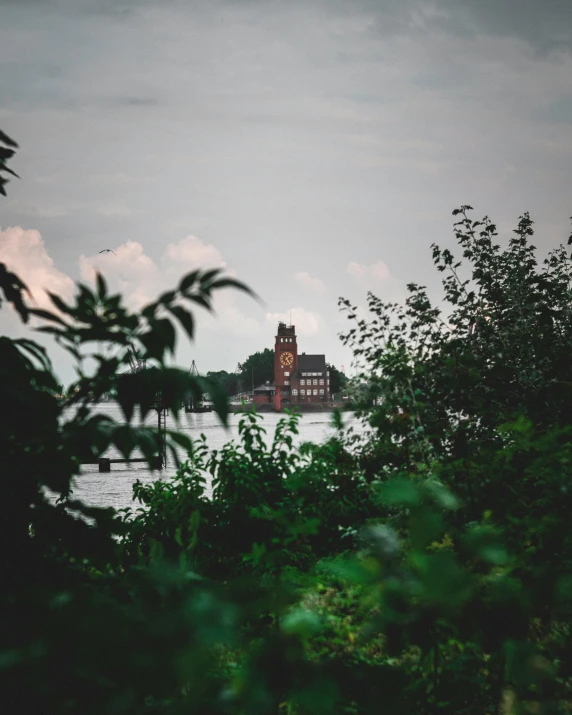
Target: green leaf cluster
[420, 564]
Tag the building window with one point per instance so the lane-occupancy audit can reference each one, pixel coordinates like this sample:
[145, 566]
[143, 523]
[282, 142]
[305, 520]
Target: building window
[302, 392]
[281, 340]
[321, 392]
[294, 392]
[321, 382]
[286, 382]
[315, 392]
[302, 382]
[286, 373]
[315, 382]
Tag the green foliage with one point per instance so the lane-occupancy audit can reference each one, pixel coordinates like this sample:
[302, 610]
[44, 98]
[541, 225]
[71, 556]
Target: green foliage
[272, 506]
[7, 150]
[338, 380]
[477, 401]
[79, 633]
[228, 382]
[421, 565]
[257, 368]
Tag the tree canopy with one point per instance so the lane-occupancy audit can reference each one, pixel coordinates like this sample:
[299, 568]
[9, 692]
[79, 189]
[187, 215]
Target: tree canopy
[229, 382]
[258, 368]
[338, 380]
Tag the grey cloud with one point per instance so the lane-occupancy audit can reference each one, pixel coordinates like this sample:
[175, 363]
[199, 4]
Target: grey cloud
[546, 25]
[558, 111]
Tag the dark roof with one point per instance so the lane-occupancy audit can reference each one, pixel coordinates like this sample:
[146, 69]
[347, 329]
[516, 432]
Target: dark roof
[311, 363]
[264, 388]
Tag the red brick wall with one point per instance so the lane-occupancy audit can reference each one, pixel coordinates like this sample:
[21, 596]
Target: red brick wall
[283, 345]
[312, 387]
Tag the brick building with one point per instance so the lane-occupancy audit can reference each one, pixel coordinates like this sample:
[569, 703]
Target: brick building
[298, 377]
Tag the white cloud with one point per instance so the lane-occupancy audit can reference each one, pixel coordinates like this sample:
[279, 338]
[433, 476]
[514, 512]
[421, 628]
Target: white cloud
[231, 320]
[314, 285]
[191, 253]
[307, 322]
[378, 279]
[140, 279]
[378, 271]
[24, 253]
[129, 270]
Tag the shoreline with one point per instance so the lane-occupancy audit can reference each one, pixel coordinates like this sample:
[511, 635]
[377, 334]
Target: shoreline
[301, 407]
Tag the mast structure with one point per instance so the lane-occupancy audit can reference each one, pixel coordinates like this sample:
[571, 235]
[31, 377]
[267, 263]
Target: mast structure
[138, 364]
[194, 369]
[135, 362]
[237, 373]
[192, 404]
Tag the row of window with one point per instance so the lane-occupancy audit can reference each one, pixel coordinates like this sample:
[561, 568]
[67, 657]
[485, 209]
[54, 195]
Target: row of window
[309, 392]
[303, 382]
[286, 340]
[312, 374]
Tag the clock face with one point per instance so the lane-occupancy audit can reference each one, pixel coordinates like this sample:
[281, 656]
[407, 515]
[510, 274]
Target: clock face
[286, 359]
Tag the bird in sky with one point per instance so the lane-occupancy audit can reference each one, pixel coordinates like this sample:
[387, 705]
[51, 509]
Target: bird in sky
[108, 250]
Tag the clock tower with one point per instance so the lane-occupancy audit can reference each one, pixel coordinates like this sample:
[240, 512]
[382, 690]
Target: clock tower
[285, 356]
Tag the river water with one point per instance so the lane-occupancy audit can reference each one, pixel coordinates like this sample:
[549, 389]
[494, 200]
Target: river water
[115, 488]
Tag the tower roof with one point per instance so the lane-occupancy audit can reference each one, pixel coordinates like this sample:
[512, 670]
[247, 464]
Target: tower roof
[283, 329]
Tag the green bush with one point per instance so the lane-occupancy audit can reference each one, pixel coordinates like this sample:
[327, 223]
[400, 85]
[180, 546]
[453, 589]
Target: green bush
[420, 566]
[271, 507]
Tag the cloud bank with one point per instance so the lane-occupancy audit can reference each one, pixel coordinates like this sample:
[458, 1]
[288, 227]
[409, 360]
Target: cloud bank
[24, 253]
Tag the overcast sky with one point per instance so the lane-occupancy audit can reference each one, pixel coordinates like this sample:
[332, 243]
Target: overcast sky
[315, 148]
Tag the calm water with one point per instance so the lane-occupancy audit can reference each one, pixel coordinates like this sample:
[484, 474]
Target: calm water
[114, 489]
